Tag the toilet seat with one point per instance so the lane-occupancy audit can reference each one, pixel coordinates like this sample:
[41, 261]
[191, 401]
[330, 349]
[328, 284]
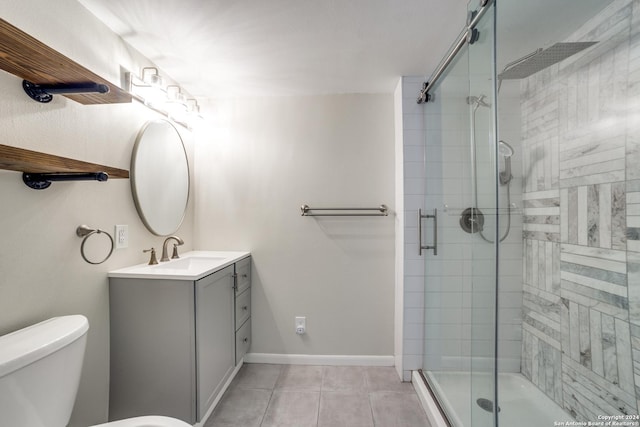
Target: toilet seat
[148, 421]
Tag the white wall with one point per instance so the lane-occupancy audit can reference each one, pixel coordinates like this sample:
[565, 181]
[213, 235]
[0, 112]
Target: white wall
[41, 272]
[259, 161]
[411, 191]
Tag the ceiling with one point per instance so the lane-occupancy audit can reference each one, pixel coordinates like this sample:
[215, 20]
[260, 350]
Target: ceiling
[217, 48]
[220, 48]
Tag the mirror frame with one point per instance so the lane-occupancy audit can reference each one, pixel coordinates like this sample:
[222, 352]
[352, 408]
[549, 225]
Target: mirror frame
[135, 190]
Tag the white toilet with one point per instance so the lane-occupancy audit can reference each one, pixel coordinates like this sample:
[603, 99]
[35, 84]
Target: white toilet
[39, 374]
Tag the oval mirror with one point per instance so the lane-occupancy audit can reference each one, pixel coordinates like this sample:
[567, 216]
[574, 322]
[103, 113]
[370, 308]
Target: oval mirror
[160, 177]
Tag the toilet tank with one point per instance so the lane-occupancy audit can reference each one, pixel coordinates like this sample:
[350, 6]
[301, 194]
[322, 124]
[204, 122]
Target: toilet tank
[40, 371]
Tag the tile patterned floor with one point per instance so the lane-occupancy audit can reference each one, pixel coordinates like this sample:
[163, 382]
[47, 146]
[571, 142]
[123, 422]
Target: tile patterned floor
[318, 396]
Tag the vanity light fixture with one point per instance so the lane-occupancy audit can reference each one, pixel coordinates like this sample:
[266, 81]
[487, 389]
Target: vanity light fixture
[176, 103]
[151, 76]
[169, 101]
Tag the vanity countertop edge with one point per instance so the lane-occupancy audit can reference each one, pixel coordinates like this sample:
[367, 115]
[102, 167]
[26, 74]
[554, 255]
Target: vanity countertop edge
[163, 271]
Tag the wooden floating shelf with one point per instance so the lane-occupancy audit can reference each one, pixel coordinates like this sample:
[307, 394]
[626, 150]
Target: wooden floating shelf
[32, 60]
[21, 160]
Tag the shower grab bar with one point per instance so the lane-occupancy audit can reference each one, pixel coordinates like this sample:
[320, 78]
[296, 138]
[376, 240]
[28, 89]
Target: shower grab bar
[435, 231]
[382, 210]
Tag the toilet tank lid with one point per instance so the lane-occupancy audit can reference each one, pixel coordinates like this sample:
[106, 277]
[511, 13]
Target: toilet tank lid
[25, 346]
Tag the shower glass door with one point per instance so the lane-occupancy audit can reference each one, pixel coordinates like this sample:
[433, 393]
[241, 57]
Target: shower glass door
[484, 242]
[460, 282]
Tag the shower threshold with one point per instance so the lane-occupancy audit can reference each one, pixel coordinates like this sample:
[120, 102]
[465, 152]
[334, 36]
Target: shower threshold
[521, 403]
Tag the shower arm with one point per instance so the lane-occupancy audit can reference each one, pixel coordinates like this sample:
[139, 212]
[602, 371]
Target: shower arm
[524, 58]
[516, 62]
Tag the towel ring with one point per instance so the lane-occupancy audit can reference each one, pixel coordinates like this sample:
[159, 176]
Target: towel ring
[85, 231]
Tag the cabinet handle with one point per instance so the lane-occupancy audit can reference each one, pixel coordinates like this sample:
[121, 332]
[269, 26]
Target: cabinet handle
[245, 340]
[245, 308]
[244, 276]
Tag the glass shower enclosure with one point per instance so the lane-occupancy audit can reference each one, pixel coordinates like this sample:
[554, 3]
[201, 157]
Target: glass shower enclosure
[460, 283]
[532, 161]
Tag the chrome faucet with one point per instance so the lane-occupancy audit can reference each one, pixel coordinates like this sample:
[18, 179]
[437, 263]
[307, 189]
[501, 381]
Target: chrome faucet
[165, 256]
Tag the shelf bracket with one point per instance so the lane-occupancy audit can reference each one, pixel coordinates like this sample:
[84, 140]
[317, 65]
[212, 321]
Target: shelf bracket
[40, 181]
[44, 92]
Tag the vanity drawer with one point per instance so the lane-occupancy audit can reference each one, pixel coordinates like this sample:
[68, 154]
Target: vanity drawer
[243, 308]
[243, 340]
[243, 275]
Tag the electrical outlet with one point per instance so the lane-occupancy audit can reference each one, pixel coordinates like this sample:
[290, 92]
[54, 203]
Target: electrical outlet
[122, 236]
[301, 325]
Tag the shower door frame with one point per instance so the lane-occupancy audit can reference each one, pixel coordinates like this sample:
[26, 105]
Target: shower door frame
[488, 365]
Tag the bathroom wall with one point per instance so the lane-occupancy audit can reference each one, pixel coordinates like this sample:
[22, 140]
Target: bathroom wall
[581, 154]
[410, 187]
[41, 272]
[259, 161]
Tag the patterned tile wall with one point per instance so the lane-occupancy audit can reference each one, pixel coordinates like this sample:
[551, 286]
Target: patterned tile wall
[581, 274]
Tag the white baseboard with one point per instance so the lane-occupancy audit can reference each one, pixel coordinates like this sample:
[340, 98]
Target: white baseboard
[312, 359]
[433, 413]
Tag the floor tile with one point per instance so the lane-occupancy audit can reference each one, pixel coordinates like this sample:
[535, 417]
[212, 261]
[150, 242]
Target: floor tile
[257, 376]
[385, 378]
[292, 409]
[265, 395]
[240, 408]
[344, 378]
[300, 377]
[344, 409]
[392, 409]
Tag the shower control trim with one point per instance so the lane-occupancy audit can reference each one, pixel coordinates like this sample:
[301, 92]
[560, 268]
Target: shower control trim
[433, 216]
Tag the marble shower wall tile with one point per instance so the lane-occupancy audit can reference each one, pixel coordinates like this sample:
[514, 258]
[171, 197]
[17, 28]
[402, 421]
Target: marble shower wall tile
[633, 213]
[581, 221]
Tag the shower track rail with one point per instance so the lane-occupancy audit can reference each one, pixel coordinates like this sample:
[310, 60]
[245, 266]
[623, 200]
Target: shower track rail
[466, 36]
[381, 210]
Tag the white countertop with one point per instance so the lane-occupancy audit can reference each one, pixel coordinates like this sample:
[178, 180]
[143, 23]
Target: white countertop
[192, 265]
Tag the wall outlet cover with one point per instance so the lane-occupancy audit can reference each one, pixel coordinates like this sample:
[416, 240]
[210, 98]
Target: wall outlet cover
[301, 325]
[121, 236]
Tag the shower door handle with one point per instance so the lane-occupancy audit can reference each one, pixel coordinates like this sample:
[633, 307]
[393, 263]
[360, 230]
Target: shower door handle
[435, 231]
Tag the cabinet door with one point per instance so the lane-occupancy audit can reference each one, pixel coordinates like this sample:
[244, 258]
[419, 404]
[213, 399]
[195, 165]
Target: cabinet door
[153, 349]
[215, 335]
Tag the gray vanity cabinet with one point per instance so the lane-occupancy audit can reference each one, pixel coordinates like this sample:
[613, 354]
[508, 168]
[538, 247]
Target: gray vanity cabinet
[243, 308]
[172, 344]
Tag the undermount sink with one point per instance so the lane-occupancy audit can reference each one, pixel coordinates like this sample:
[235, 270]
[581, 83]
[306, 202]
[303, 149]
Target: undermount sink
[192, 263]
[190, 266]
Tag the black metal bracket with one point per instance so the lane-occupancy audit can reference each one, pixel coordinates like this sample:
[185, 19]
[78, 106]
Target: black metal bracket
[425, 96]
[40, 181]
[44, 92]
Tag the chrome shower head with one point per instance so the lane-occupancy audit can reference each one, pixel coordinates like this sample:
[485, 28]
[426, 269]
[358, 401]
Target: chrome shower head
[506, 151]
[541, 59]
